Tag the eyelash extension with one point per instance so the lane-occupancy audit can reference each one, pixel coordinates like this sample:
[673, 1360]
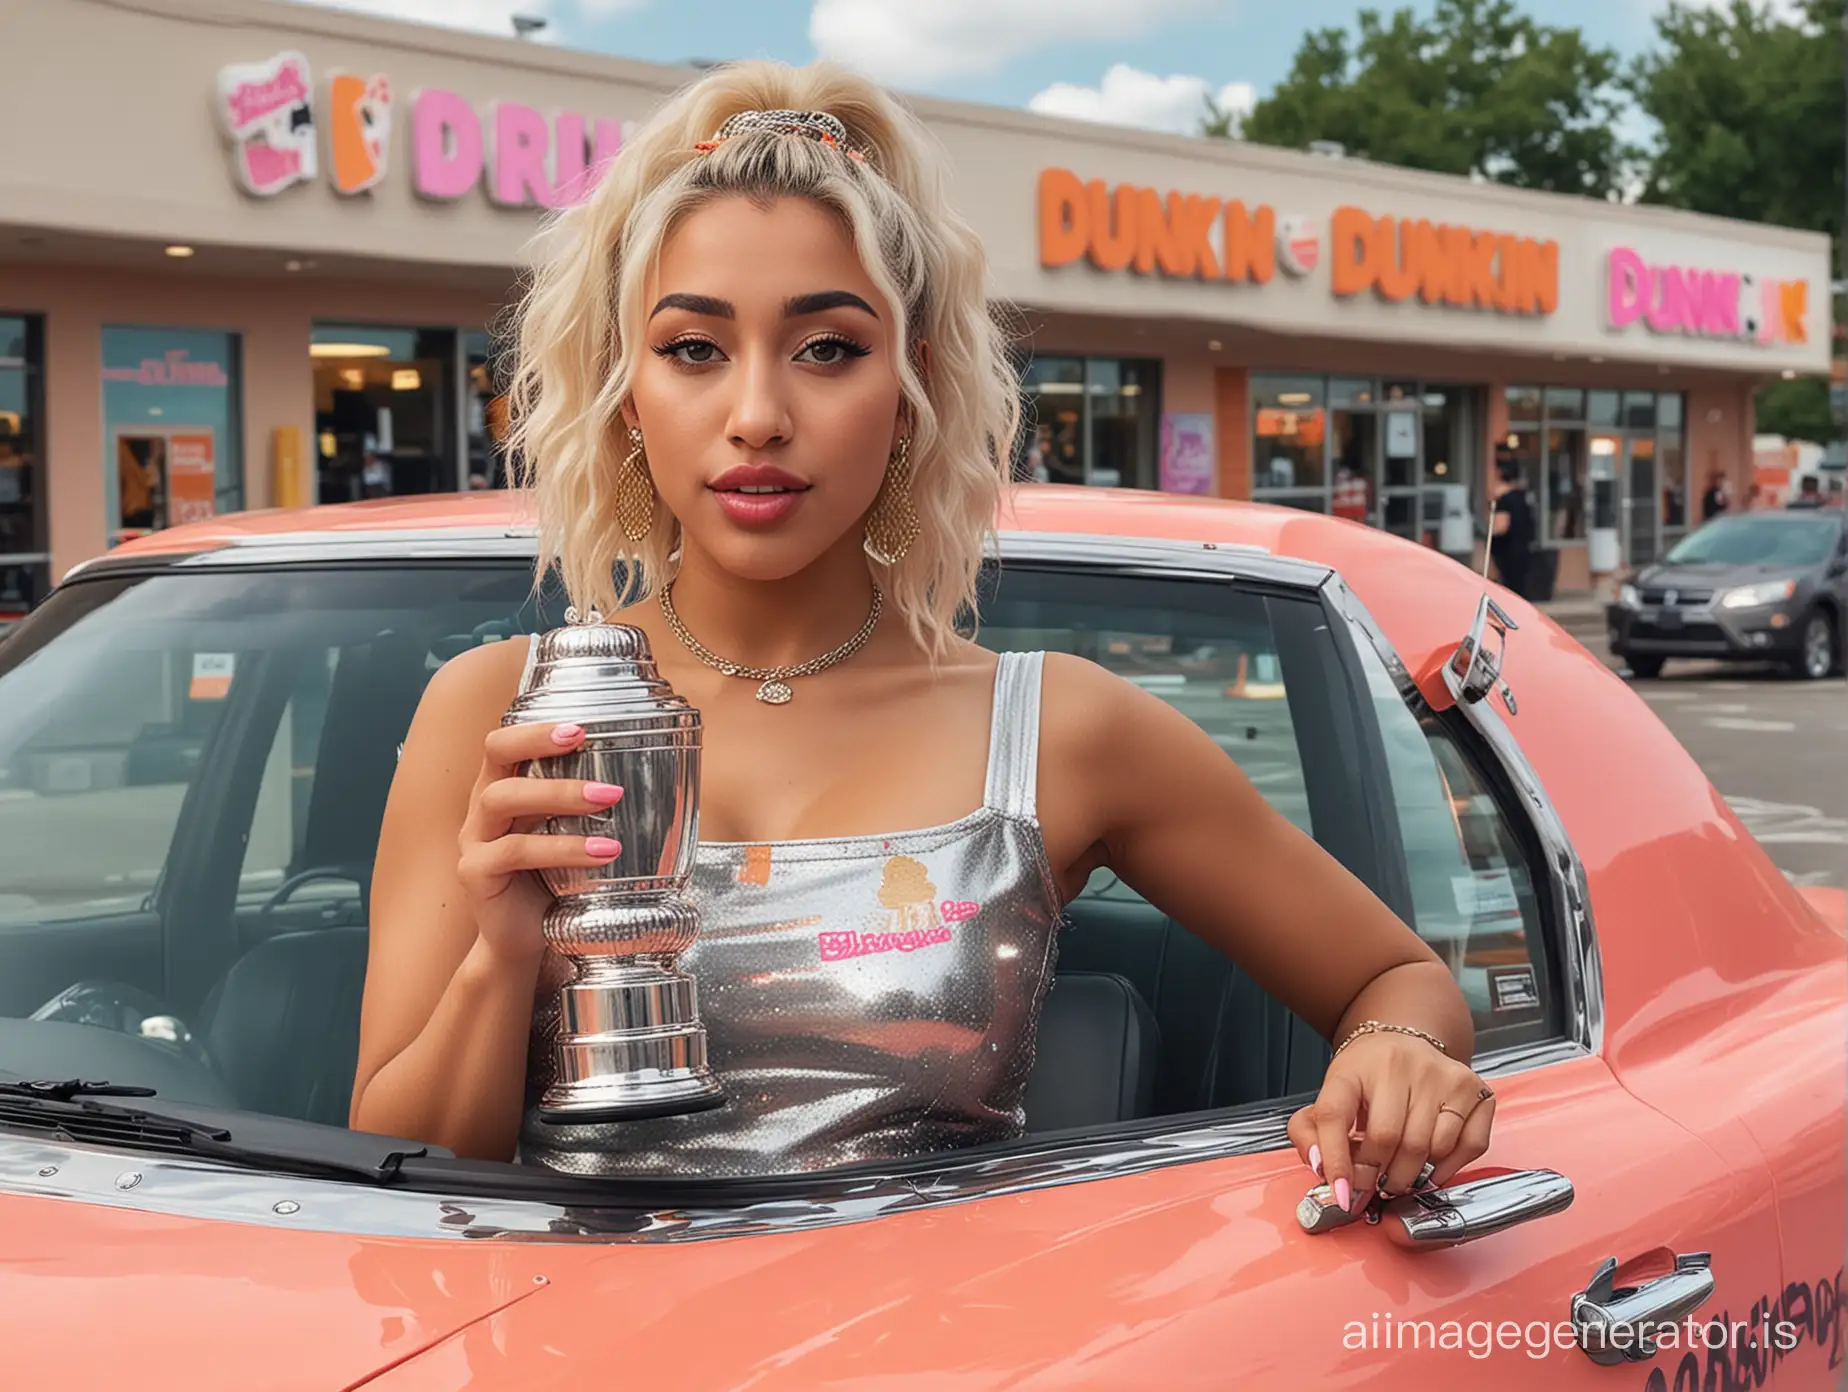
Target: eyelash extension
[673, 346]
[846, 345]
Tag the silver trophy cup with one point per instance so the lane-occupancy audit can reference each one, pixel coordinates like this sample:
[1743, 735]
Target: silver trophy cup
[630, 1043]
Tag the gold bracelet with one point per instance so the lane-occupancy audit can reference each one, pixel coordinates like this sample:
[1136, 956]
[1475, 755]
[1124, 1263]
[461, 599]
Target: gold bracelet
[1377, 1026]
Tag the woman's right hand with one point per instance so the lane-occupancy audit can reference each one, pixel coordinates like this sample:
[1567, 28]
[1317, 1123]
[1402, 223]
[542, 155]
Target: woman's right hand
[498, 846]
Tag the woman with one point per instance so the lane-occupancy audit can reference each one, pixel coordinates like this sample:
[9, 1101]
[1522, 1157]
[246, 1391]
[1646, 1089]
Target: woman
[1512, 540]
[760, 361]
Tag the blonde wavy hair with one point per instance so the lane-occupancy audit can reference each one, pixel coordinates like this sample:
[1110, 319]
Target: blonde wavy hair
[581, 324]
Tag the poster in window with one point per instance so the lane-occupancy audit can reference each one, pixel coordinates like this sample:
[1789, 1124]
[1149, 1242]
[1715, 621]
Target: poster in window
[1401, 435]
[191, 478]
[1186, 452]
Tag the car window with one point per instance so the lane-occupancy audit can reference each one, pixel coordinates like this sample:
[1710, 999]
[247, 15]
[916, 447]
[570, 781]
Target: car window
[1208, 651]
[280, 698]
[193, 772]
[1475, 894]
[1765, 540]
[105, 746]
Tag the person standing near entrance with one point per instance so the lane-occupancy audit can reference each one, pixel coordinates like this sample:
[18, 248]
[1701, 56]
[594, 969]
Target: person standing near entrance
[1511, 537]
[1717, 499]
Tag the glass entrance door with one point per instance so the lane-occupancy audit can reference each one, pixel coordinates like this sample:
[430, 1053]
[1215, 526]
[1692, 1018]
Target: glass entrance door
[1399, 471]
[1353, 463]
[1641, 502]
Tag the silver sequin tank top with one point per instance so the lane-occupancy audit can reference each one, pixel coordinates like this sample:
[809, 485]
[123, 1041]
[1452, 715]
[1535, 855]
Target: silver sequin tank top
[865, 998]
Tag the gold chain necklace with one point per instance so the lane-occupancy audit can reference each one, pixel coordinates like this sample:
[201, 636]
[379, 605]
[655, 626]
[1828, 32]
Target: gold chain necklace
[775, 689]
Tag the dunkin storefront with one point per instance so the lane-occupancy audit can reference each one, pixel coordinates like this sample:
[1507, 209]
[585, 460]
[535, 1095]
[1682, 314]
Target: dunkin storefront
[270, 278]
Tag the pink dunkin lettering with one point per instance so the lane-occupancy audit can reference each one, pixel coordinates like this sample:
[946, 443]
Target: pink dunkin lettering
[1698, 303]
[958, 910]
[446, 145]
[844, 946]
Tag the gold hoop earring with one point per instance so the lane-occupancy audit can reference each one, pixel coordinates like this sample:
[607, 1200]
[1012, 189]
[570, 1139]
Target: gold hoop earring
[635, 493]
[892, 526]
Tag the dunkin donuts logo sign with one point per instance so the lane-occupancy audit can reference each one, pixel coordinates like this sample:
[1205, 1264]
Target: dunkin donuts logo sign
[1127, 227]
[281, 130]
[1703, 302]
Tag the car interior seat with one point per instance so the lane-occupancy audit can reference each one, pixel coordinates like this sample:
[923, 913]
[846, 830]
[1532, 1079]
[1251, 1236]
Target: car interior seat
[1223, 1039]
[1096, 1055]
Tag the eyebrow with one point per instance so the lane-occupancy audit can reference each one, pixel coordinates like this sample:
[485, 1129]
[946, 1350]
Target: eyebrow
[795, 307]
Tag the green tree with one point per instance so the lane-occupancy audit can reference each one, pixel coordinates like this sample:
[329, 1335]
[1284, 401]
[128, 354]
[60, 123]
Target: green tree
[1748, 106]
[1749, 111]
[1478, 89]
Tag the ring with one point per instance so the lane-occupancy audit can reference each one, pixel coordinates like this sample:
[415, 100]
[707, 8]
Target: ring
[1446, 1107]
[1484, 1095]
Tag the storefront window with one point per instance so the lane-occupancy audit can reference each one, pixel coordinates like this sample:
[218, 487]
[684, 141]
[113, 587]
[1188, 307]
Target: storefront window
[1672, 463]
[1054, 403]
[172, 427]
[25, 565]
[1523, 405]
[1639, 411]
[1564, 403]
[385, 411]
[1122, 398]
[1563, 495]
[1612, 461]
[485, 408]
[1291, 438]
[1091, 420]
[1395, 454]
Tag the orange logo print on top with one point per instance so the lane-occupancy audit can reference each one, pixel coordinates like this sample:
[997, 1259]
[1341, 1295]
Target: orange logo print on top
[359, 130]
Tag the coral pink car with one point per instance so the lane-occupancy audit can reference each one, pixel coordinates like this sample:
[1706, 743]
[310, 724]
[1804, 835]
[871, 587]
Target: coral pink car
[196, 738]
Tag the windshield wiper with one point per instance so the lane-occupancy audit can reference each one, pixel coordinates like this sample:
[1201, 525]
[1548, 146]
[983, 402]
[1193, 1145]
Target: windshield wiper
[62, 1110]
[65, 1091]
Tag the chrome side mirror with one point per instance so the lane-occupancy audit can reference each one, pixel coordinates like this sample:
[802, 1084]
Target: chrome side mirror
[1473, 670]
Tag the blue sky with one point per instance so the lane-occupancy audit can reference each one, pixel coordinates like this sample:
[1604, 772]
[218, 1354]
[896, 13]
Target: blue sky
[1144, 62]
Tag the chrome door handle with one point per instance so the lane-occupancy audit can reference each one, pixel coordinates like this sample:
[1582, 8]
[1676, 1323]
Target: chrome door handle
[1618, 1324]
[1474, 1209]
[1435, 1218]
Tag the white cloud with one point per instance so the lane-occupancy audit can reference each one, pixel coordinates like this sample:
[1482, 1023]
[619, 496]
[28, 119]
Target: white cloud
[1130, 97]
[912, 43]
[489, 16]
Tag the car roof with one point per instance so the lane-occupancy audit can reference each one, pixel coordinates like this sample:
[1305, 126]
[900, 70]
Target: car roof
[1040, 508]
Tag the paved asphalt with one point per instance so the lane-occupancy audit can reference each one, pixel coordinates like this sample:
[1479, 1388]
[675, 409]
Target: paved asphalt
[1775, 747]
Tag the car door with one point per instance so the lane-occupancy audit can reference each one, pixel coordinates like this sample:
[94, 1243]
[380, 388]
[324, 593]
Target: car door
[1458, 837]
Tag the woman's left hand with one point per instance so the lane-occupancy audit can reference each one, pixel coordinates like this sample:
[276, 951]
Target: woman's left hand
[1389, 1104]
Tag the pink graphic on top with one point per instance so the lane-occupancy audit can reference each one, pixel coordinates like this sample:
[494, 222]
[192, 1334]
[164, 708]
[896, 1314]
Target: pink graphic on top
[911, 913]
[842, 946]
[267, 110]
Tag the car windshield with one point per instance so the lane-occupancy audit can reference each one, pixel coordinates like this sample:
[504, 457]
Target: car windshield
[1766, 541]
[194, 763]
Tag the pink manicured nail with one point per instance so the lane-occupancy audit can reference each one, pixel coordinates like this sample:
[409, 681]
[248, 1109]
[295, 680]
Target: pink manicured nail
[1315, 1160]
[602, 793]
[602, 847]
[1344, 1195]
[566, 734]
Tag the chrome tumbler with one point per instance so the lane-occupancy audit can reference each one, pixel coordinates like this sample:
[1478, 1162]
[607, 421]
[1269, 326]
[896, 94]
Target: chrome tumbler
[630, 1043]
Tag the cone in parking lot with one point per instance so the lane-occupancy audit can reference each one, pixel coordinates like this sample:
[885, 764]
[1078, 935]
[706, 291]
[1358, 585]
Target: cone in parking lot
[1262, 688]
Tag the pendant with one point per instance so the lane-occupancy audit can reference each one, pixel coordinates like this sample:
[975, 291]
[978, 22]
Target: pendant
[774, 693]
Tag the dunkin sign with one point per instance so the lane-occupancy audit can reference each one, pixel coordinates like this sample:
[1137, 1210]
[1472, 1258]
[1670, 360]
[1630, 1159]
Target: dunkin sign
[1146, 231]
[1703, 303]
[282, 131]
